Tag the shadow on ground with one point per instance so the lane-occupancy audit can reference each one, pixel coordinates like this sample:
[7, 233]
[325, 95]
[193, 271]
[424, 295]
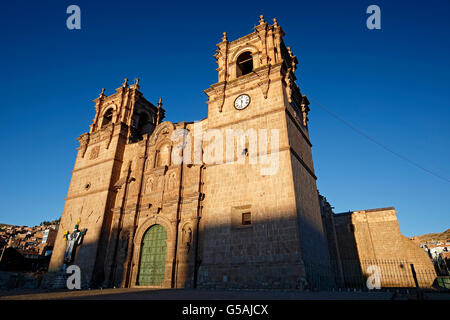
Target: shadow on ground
[184, 294]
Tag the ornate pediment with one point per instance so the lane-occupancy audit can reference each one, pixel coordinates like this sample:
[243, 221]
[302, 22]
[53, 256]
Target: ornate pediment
[163, 130]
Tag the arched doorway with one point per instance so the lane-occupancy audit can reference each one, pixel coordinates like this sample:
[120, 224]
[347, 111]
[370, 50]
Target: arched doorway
[152, 263]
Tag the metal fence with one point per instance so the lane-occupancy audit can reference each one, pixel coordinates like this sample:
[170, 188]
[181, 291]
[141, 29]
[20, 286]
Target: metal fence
[320, 277]
[391, 273]
[360, 274]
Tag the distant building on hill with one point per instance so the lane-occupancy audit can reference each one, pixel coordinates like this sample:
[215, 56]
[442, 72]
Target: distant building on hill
[25, 248]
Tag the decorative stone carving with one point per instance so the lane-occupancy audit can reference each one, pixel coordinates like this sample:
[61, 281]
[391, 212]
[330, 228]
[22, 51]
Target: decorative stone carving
[187, 236]
[108, 134]
[264, 82]
[220, 95]
[172, 181]
[83, 140]
[305, 110]
[164, 128]
[221, 58]
[149, 185]
[94, 153]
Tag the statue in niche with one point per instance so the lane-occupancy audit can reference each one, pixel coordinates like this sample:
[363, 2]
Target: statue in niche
[149, 185]
[124, 243]
[172, 181]
[187, 236]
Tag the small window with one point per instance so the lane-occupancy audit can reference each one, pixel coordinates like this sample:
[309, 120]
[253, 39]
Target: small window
[244, 64]
[246, 218]
[241, 217]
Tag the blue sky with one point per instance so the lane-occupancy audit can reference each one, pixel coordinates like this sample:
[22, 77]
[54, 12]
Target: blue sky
[393, 84]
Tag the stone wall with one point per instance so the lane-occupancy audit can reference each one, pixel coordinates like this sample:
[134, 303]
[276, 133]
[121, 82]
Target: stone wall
[373, 237]
[125, 181]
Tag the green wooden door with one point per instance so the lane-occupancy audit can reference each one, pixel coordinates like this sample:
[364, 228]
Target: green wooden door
[153, 257]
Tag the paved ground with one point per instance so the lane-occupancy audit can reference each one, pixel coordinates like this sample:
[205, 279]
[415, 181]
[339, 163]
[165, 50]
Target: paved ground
[185, 294]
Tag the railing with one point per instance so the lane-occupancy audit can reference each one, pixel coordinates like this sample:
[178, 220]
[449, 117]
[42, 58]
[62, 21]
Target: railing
[391, 273]
[319, 277]
[368, 274]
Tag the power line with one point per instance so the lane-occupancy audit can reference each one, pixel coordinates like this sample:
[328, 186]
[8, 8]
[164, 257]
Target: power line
[377, 142]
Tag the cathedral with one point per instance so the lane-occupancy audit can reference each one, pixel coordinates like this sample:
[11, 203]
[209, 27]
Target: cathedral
[164, 205]
[152, 221]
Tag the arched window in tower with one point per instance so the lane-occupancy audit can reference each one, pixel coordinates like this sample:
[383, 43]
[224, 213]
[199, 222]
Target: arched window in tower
[163, 156]
[144, 123]
[244, 64]
[141, 125]
[107, 117]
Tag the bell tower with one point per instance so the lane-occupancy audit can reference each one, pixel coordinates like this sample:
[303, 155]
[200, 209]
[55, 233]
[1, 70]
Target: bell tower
[227, 223]
[127, 106]
[121, 119]
[250, 62]
[271, 221]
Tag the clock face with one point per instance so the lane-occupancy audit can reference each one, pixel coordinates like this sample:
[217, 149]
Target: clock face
[242, 102]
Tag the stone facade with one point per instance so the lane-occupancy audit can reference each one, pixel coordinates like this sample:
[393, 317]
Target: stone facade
[235, 222]
[225, 225]
[372, 237]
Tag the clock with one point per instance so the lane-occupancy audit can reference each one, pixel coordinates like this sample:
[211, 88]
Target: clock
[242, 101]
